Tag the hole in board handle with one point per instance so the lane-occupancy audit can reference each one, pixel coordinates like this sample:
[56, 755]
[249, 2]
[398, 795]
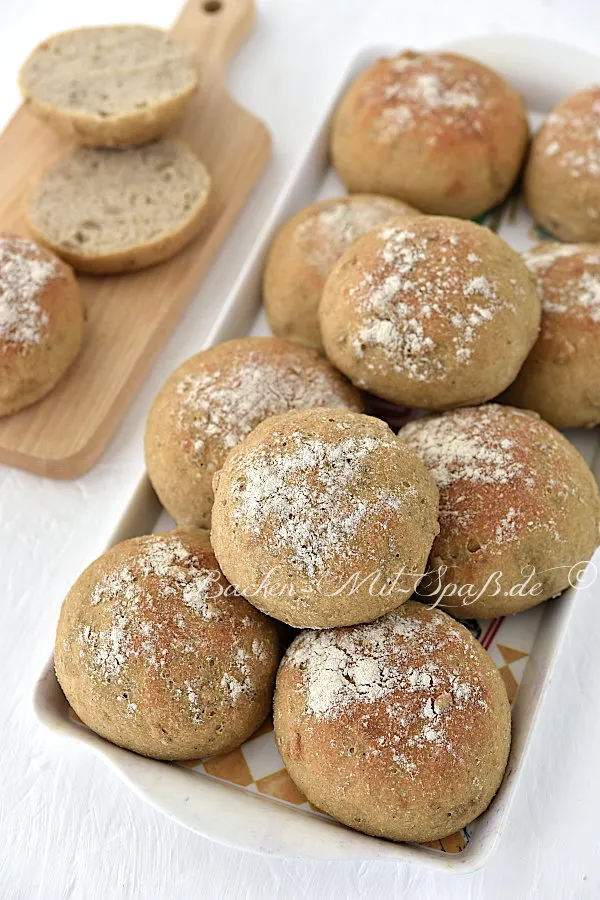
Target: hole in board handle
[212, 6]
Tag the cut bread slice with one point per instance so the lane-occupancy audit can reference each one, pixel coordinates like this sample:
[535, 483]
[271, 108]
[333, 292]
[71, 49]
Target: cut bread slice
[110, 86]
[108, 211]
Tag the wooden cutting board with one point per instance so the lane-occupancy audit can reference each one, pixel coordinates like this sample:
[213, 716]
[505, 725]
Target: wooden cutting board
[129, 317]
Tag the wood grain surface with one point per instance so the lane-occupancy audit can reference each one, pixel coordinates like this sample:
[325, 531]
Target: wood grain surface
[130, 316]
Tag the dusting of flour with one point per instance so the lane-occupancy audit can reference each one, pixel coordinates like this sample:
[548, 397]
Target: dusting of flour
[572, 137]
[303, 490]
[218, 408]
[145, 622]
[485, 461]
[420, 305]
[24, 273]
[415, 669]
[329, 232]
[568, 279]
[430, 90]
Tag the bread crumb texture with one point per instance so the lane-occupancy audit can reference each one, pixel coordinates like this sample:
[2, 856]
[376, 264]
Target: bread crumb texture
[109, 72]
[98, 204]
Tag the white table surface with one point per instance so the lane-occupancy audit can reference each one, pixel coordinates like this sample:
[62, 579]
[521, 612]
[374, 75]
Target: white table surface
[68, 827]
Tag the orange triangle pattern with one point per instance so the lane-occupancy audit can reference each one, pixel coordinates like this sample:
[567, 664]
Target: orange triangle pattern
[509, 654]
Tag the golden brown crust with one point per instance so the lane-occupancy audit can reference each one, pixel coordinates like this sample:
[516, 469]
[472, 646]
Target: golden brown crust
[519, 509]
[562, 178]
[304, 252]
[323, 518]
[560, 378]
[141, 257]
[440, 131]
[42, 323]
[134, 128]
[430, 312]
[155, 653]
[399, 729]
[215, 399]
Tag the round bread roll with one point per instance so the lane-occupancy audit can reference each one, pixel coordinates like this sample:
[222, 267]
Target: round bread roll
[519, 510]
[41, 322]
[156, 652]
[304, 252]
[108, 211]
[441, 131]
[562, 178]
[399, 728]
[430, 312]
[323, 518]
[560, 378]
[212, 401]
[110, 86]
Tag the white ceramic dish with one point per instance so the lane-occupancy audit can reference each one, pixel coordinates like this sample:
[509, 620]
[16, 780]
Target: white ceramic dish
[544, 72]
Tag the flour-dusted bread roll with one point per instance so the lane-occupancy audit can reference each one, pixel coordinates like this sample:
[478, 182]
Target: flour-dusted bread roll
[519, 510]
[560, 378]
[399, 728]
[440, 131]
[323, 518]
[562, 178]
[110, 211]
[430, 312]
[109, 86]
[41, 322]
[213, 400]
[156, 653]
[304, 252]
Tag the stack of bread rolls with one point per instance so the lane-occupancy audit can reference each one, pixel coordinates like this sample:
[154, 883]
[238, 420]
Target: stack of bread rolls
[388, 714]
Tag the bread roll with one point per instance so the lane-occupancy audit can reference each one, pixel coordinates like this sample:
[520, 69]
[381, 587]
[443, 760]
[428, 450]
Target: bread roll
[156, 653]
[109, 211]
[399, 728]
[41, 322]
[437, 130]
[109, 86]
[323, 518]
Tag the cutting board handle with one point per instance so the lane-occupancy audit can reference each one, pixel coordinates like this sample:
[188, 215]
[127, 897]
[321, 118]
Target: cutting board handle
[216, 28]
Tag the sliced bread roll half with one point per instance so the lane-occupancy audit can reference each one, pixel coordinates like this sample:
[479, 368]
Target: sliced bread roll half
[109, 86]
[109, 211]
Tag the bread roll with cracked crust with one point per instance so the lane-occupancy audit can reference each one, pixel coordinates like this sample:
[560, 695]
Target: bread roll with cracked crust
[519, 510]
[560, 378]
[562, 178]
[41, 322]
[399, 728]
[112, 211]
[438, 130]
[156, 654]
[214, 399]
[304, 252]
[323, 518]
[109, 86]
[430, 312]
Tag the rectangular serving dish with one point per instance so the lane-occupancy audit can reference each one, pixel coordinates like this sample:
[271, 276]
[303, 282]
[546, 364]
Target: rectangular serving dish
[245, 799]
